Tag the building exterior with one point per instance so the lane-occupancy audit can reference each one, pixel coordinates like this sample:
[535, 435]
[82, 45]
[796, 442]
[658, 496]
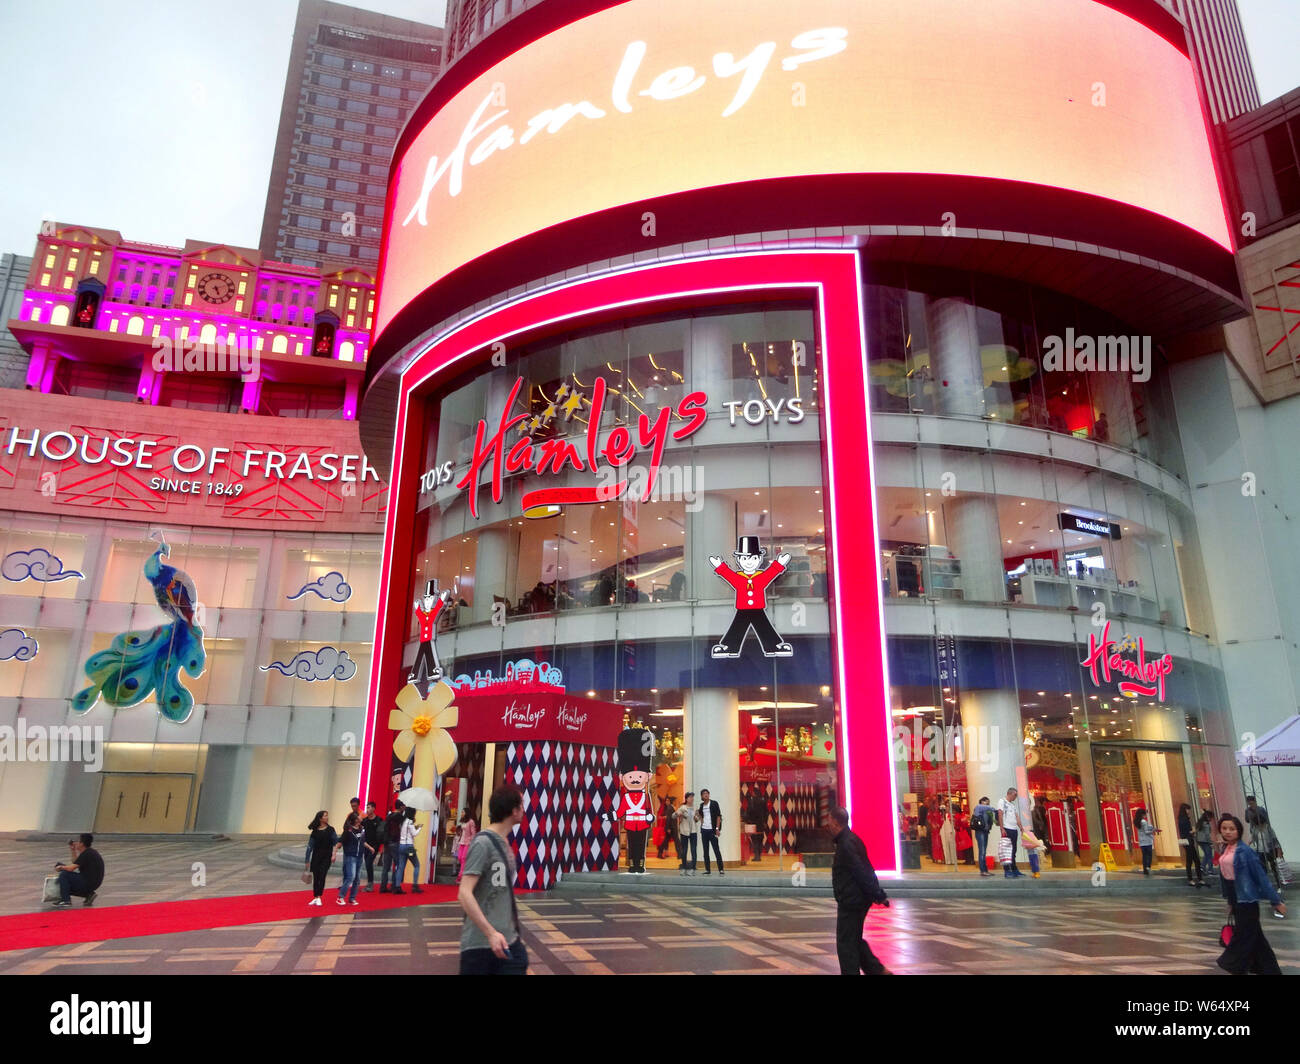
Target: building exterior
[938, 384]
[191, 539]
[468, 21]
[353, 78]
[1218, 47]
[13, 281]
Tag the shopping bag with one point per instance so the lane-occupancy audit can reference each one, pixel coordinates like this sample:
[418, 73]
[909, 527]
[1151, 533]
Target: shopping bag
[50, 892]
[1030, 840]
[1284, 872]
[1004, 850]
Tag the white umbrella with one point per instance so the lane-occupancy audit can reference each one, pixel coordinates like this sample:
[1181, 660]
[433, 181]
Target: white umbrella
[418, 798]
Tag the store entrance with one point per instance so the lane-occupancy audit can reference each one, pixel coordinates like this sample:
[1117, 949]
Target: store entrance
[1141, 776]
[143, 803]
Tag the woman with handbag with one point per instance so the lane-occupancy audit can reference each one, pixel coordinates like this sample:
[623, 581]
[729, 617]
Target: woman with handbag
[1245, 885]
[320, 853]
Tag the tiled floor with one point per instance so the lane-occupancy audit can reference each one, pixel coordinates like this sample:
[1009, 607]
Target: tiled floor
[623, 934]
[707, 930]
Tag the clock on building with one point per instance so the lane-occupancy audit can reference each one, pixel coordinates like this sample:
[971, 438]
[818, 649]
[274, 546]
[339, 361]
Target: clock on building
[215, 288]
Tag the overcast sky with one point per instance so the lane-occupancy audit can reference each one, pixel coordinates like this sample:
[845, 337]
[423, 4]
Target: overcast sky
[158, 118]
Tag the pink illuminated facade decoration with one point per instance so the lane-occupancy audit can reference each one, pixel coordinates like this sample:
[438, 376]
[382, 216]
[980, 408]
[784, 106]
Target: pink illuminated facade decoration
[158, 314]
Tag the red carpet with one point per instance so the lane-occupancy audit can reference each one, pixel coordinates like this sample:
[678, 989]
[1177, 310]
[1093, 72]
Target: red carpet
[60, 927]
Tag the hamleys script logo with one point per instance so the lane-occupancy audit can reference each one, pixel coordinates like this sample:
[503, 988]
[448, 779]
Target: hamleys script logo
[493, 451]
[1144, 677]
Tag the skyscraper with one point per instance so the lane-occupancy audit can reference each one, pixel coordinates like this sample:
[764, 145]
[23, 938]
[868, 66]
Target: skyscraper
[1219, 51]
[353, 78]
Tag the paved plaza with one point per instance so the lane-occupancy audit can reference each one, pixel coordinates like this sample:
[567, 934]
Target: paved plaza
[702, 929]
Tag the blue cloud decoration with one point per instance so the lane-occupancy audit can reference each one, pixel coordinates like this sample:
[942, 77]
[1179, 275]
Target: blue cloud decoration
[37, 564]
[17, 645]
[327, 663]
[138, 664]
[332, 587]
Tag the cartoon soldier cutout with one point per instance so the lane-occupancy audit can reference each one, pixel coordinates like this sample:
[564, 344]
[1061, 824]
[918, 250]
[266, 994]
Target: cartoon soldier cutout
[750, 584]
[636, 749]
[426, 613]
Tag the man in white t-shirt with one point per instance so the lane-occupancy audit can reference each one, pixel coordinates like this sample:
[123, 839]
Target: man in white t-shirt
[1009, 822]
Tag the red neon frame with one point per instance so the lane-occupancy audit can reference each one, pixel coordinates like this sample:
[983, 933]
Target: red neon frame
[863, 725]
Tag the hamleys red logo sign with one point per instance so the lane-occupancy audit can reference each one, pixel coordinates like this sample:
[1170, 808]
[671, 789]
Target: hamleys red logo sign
[1142, 677]
[494, 451]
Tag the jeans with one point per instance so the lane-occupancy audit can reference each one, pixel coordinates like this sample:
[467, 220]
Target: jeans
[389, 879]
[1146, 858]
[407, 853]
[1033, 861]
[485, 962]
[351, 877]
[1012, 835]
[1207, 857]
[683, 841]
[72, 883]
[855, 954]
[710, 838]
[982, 841]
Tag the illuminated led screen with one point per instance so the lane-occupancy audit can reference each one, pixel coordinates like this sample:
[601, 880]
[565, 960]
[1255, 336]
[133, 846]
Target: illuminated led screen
[656, 97]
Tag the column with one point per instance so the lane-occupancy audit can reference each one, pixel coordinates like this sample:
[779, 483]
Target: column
[993, 742]
[955, 362]
[973, 531]
[711, 532]
[711, 723]
[492, 555]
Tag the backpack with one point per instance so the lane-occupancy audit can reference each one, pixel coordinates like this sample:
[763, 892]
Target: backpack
[980, 822]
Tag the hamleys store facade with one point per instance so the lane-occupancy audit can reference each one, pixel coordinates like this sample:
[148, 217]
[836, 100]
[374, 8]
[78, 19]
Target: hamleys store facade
[712, 368]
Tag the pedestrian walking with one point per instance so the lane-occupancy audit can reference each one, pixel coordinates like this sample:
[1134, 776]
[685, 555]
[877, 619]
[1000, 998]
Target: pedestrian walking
[1245, 884]
[687, 828]
[373, 825]
[856, 889]
[466, 829]
[1146, 833]
[981, 823]
[1262, 838]
[353, 841]
[490, 942]
[709, 816]
[392, 849]
[1009, 822]
[1187, 838]
[321, 845]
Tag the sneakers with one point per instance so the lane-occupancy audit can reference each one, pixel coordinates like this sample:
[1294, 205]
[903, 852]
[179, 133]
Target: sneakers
[1038, 875]
[415, 890]
[314, 901]
[397, 890]
[342, 900]
[370, 889]
[383, 890]
[721, 651]
[721, 872]
[61, 904]
[354, 902]
[90, 900]
[690, 872]
[708, 872]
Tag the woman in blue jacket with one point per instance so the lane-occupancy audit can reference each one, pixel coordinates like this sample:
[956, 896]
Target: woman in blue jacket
[1245, 885]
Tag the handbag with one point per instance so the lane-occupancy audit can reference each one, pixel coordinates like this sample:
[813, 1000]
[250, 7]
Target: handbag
[1225, 934]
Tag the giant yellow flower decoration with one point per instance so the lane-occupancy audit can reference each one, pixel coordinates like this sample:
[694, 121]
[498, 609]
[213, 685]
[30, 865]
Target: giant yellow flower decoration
[421, 725]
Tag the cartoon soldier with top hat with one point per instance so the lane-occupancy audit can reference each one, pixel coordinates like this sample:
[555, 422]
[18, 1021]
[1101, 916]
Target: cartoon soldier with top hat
[426, 613]
[750, 584]
[636, 751]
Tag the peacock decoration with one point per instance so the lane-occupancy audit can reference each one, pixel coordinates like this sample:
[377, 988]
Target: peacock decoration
[137, 664]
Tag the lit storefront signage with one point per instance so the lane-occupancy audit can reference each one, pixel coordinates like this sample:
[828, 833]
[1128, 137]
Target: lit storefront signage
[655, 97]
[1143, 677]
[1090, 526]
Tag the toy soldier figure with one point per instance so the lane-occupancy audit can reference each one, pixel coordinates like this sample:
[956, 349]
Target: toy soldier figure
[426, 612]
[636, 749]
[750, 585]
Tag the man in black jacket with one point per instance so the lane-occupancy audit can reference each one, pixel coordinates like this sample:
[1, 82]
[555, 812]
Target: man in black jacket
[373, 825]
[392, 844]
[856, 889]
